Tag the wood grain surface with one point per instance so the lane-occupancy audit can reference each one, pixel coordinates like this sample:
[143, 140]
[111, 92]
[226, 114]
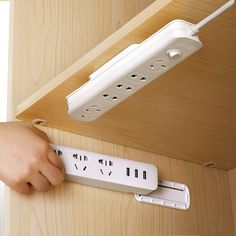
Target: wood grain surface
[189, 113]
[46, 38]
[232, 184]
[77, 210]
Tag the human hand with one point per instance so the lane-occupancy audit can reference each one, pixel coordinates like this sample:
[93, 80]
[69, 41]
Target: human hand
[26, 159]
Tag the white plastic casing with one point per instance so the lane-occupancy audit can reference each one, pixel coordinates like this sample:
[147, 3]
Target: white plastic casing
[133, 69]
[168, 194]
[108, 172]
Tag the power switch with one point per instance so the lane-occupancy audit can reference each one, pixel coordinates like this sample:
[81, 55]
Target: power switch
[174, 53]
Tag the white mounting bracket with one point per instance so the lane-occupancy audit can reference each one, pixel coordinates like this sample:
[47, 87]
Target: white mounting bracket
[168, 194]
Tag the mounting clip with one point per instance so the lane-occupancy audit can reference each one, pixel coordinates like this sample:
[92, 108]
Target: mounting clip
[168, 194]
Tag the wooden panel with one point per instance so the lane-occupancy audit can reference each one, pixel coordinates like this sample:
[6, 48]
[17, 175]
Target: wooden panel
[50, 35]
[72, 209]
[189, 113]
[232, 184]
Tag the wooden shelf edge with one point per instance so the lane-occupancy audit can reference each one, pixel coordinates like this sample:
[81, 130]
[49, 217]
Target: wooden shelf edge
[115, 43]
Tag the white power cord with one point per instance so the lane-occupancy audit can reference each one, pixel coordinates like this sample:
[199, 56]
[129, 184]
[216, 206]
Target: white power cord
[212, 16]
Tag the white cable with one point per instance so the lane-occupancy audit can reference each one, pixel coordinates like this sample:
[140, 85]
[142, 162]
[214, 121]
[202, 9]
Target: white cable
[213, 15]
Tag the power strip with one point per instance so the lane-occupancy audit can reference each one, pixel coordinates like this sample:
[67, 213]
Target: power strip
[108, 172]
[132, 69]
[137, 66]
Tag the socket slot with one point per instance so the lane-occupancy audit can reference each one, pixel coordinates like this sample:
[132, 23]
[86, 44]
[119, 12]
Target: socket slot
[80, 157]
[124, 87]
[107, 164]
[138, 78]
[108, 97]
[59, 153]
[94, 108]
[76, 165]
[157, 65]
[91, 111]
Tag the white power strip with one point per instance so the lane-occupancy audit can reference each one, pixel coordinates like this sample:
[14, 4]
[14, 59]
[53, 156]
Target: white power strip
[123, 175]
[105, 171]
[132, 69]
[136, 66]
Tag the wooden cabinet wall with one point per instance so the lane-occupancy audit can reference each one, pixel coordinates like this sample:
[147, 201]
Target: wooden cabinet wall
[48, 36]
[73, 209]
[188, 113]
[232, 182]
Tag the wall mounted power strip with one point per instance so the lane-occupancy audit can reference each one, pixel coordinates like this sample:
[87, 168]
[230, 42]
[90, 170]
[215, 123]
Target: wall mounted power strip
[136, 66]
[132, 69]
[105, 171]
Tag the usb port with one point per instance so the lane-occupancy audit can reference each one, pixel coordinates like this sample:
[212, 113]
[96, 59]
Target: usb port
[136, 173]
[127, 171]
[144, 174]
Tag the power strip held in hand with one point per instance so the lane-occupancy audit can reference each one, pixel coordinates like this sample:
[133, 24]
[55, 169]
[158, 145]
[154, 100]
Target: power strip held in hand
[103, 171]
[108, 172]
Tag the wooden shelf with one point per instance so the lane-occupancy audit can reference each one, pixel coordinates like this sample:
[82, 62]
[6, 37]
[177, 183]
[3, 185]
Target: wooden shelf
[189, 113]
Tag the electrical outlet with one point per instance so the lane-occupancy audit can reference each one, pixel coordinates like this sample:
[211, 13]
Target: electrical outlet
[105, 171]
[109, 97]
[91, 110]
[132, 69]
[125, 87]
[105, 166]
[157, 65]
[139, 64]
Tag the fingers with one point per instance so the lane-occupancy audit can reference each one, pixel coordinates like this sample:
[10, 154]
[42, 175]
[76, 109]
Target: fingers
[23, 188]
[27, 160]
[40, 183]
[55, 160]
[54, 175]
[37, 131]
[41, 134]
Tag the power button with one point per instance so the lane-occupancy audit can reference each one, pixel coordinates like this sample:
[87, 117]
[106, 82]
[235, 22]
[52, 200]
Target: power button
[174, 53]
